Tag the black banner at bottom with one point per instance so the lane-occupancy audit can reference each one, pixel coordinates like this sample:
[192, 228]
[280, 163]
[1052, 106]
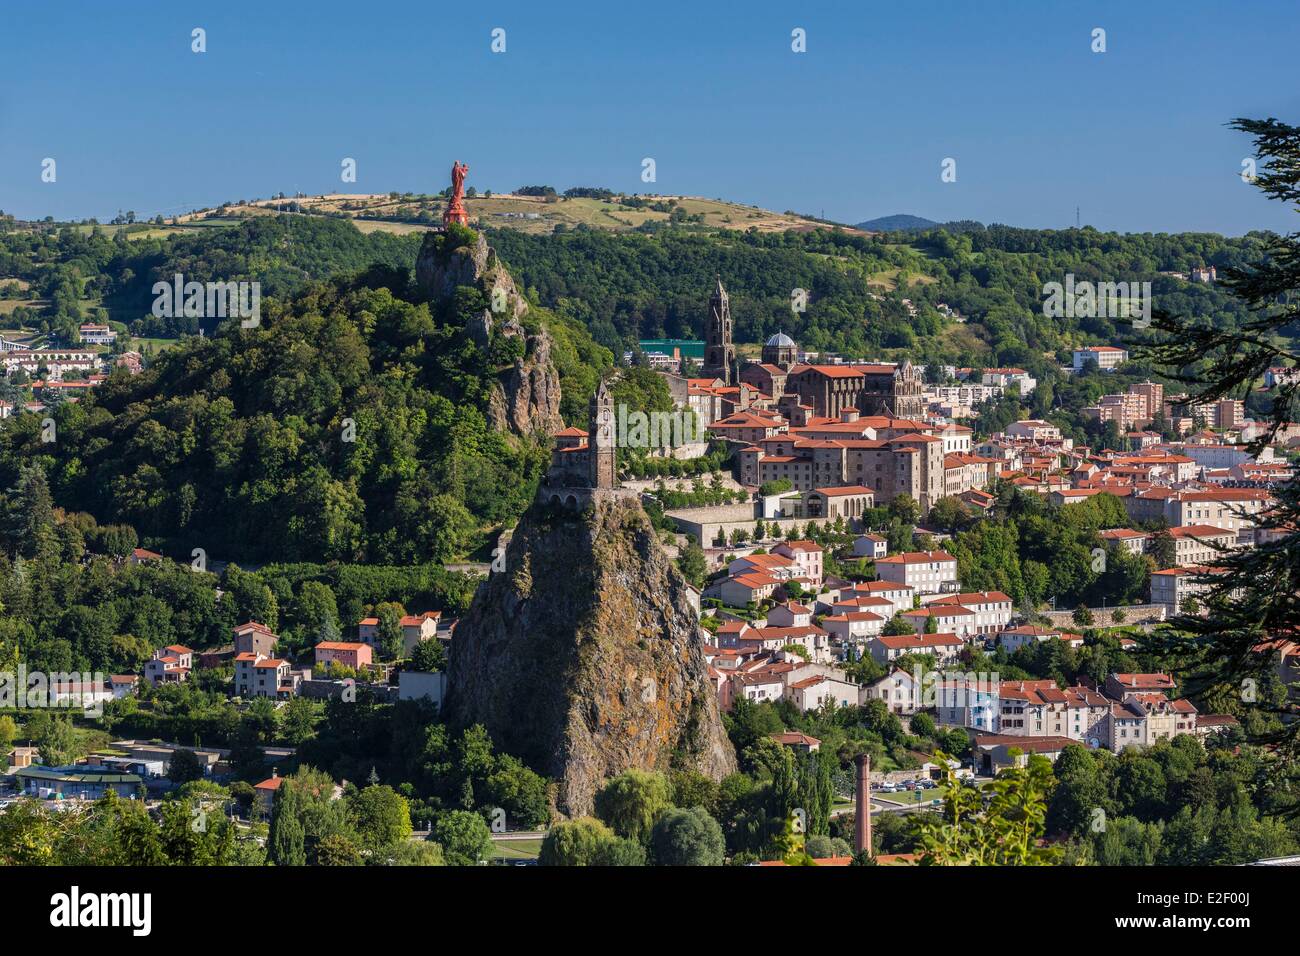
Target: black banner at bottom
[307, 904]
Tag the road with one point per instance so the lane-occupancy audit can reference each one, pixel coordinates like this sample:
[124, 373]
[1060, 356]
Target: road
[510, 835]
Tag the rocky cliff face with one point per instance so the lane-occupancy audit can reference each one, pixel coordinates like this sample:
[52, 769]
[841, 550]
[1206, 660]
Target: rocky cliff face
[584, 656]
[526, 401]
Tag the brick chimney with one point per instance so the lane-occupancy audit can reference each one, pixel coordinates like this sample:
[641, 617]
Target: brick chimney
[862, 811]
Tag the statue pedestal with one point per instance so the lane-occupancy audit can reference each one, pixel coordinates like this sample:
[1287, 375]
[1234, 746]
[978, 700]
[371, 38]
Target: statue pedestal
[456, 213]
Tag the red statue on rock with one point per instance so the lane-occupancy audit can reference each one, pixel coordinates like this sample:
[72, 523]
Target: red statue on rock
[456, 206]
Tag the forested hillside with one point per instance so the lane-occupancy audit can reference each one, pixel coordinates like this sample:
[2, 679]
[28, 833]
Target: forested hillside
[66, 266]
[349, 426]
[626, 287]
[235, 442]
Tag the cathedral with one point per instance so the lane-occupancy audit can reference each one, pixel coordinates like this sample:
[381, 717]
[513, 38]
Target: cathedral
[780, 351]
[873, 389]
[893, 390]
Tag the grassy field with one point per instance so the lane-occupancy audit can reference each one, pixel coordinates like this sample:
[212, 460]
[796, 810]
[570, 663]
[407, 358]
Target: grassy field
[396, 228]
[134, 232]
[906, 797]
[888, 280]
[9, 305]
[516, 849]
[533, 214]
[156, 344]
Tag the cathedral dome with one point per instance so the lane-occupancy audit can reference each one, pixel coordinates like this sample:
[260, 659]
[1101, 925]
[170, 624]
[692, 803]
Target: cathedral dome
[781, 341]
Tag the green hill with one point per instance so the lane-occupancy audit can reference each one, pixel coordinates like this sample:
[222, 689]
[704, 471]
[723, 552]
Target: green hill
[538, 214]
[901, 222]
[231, 441]
[350, 425]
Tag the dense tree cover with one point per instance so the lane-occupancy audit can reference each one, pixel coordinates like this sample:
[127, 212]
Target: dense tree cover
[283, 253]
[643, 817]
[687, 837]
[69, 601]
[349, 426]
[756, 806]
[188, 829]
[1034, 551]
[464, 837]
[631, 802]
[436, 770]
[586, 841]
[1001, 825]
[1176, 803]
[311, 826]
[627, 287]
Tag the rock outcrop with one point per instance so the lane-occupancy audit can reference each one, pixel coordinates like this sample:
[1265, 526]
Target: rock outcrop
[526, 399]
[584, 656]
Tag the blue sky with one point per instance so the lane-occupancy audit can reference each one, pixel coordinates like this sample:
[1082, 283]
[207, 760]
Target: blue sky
[856, 127]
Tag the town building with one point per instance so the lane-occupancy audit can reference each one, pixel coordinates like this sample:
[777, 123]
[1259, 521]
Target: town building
[254, 638]
[352, 654]
[92, 334]
[926, 572]
[258, 676]
[1105, 357]
[898, 689]
[943, 647]
[170, 665]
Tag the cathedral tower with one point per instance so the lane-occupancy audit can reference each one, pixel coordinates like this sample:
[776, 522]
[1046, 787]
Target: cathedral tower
[719, 353]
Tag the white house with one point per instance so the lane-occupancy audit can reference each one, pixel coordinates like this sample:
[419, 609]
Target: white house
[790, 614]
[809, 693]
[853, 626]
[944, 647]
[1014, 638]
[928, 572]
[757, 687]
[419, 627]
[1105, 357]
[1201, 544]
[871, 546]
[743, 588]
[97, 334]
[417, 685]
[948, 618]
[897, 689]
[807, 557]
[170, 665]
[1034, 429]
[990, 610]
[258, 676]
[900, 596]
